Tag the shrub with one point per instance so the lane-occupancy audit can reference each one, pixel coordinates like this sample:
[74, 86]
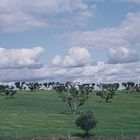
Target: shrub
[86, 121]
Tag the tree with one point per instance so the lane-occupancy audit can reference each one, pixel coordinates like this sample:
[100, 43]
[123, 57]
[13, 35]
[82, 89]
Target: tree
[137, 88]
[37, 86]
[131, 87]
[31, 86]
[34, 86]
[73, 96]
[20, 85]
[46, 85]
[86, 121]
[107, 91]
[7, 90]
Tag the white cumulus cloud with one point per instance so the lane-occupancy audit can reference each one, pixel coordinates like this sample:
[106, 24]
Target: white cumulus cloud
[57, 60]
[101, 72]
[122, 55]
[77, 57]
[20, 58]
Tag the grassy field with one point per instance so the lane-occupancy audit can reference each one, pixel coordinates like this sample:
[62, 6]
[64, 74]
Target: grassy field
[43, 114]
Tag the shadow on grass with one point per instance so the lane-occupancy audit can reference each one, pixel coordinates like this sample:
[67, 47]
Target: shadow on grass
[83, 135]
[69, 113]
[65, 113]
[99, 101]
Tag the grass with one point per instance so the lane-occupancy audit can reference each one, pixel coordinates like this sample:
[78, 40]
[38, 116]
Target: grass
[43, 114]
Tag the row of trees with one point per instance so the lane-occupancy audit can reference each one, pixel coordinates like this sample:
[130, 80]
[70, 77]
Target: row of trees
[33, 86]
[74, 94]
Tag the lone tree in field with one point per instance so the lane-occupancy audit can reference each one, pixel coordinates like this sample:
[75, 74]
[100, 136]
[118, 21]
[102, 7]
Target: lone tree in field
[107, 91]
[86, 121]
[73, 96]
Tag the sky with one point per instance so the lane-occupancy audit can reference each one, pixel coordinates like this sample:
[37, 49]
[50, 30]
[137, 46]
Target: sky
[70, 40]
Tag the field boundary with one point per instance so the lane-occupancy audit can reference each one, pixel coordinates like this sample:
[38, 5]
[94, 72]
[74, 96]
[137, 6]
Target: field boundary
[83, 138]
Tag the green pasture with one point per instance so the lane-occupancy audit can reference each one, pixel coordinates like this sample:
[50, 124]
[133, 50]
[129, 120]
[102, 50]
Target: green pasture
[42, 113]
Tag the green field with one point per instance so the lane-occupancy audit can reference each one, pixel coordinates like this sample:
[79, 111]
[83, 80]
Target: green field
[43, 114]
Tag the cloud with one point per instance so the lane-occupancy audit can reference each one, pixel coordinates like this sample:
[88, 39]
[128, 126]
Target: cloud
[111, 73]
[126, 34]
[120, 69]
[128, 1]
[122, 55]
[20, 58]
[12, 22]
[91, 70]
[101, 72]
[57, 60]
[23, 65]
[18, 15]
[132, 1]
[77, 57]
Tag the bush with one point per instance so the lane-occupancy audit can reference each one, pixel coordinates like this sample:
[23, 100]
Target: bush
[86, 121]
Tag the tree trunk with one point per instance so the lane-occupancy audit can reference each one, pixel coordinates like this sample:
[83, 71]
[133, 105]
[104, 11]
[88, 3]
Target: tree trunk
[86, 132]
[107, 100]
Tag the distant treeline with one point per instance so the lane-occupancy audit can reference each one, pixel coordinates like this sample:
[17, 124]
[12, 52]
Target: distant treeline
[102, 88]
[33, 86]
